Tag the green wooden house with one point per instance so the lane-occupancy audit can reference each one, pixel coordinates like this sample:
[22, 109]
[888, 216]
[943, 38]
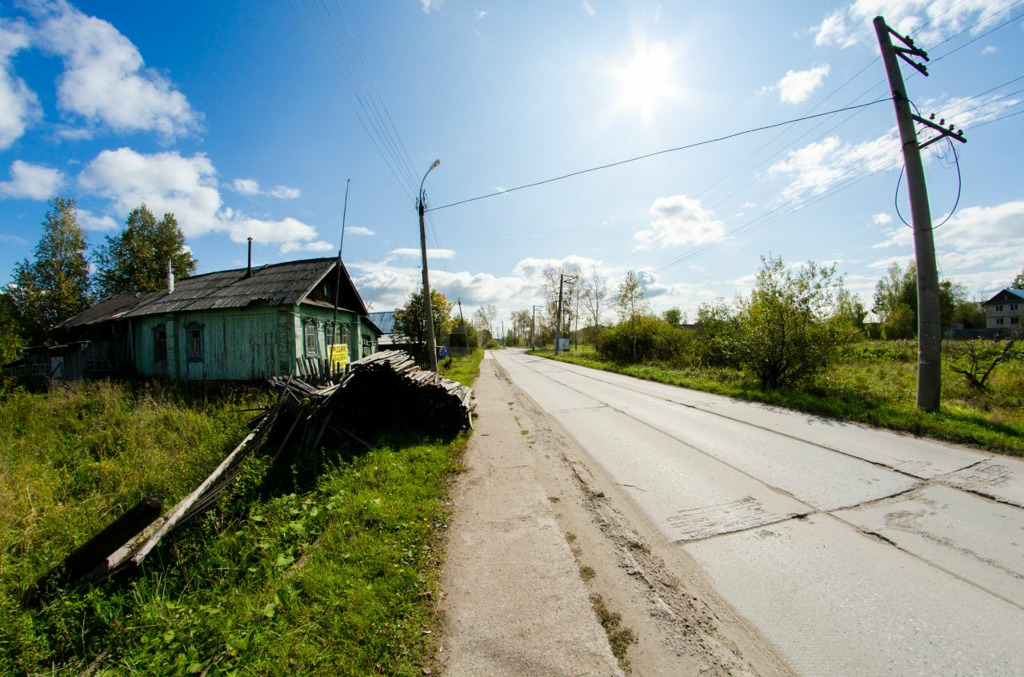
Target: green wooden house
[234, 325]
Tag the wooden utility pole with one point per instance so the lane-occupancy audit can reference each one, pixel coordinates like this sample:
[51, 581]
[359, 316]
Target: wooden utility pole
[929, 327]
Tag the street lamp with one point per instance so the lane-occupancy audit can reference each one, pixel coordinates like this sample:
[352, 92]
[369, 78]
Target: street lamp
[422, 208]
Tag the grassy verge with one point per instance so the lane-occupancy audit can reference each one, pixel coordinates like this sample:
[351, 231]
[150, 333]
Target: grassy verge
[333, 574]
[874, 384]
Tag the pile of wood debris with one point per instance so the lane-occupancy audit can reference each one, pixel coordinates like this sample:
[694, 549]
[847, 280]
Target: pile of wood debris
[384, 390]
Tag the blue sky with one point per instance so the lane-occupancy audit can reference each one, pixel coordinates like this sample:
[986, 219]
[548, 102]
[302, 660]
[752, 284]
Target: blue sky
[237, 117]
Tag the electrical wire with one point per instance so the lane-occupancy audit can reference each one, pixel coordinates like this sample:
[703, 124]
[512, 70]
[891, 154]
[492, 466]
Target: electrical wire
[330, 44]
[646, 156]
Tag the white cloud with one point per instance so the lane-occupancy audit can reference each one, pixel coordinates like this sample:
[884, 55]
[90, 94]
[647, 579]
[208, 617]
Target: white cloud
[165, 182]
[246, 186]
[315, 246]
[978, 246]
[926, 21]
[285, 193]
[186, 187]
[359, 230]
[820, 165]
[430, 5]
[881, 219]
[431, 253]
[33, 182]
[589, 9]
[679, 220]
[91, 221]
[252, 187]
[19, 106]
[105, 79]
[797, 86]
[991, 49]
[480, 14]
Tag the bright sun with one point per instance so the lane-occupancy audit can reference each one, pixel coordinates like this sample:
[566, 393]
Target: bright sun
[648, 80]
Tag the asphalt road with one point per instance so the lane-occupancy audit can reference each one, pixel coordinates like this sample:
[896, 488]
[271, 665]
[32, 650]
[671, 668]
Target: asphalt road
[855, 551]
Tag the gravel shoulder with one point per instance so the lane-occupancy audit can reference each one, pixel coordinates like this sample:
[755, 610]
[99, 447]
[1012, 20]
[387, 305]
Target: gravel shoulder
[537, 532]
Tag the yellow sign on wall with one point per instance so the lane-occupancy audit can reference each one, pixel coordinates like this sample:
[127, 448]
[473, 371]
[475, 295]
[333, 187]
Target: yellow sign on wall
[339, 355]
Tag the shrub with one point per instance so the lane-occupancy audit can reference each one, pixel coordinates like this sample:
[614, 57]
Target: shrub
[655, 340]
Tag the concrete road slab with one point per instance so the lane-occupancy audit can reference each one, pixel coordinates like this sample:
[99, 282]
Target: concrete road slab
[839, 603]
[687, 493]
[970, 536]
[920, 458]
[999, 478]
[809, 473]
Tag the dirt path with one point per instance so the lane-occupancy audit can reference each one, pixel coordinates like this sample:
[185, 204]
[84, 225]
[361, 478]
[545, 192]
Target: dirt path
[538, 534]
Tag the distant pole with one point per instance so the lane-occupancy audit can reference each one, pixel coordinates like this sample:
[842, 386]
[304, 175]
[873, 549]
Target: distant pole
[558, 317]
[337, 277]
[929, 328]
[533, 325]
[427, 311]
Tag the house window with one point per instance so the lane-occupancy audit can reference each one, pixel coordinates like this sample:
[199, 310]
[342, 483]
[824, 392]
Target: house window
[311, 342]
[344, 333]
[1014, 320]
[1013, 306]
[194, 341]
[160, 343]
[999, 320]
[999, 309]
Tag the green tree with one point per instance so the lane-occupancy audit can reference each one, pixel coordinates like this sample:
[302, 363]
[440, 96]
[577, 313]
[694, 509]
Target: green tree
[10, 330]
[673, 316]
[717, 334]
[631, 304]
[135, 260]
[1018, 282]
[411, 324]
[54, 285]
[788, 328]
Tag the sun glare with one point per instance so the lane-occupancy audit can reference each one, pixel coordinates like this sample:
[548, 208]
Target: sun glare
[648, 80]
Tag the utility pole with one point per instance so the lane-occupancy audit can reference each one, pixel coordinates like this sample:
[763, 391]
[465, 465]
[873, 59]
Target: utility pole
[533, 325]
[428, 314]
[558, 319]
[929, 326]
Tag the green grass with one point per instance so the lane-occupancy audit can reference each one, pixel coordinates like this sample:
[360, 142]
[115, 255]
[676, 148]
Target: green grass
[874, 383]
[335, 575]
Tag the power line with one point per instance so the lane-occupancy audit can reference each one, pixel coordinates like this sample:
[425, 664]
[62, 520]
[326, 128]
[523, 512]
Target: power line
[655, 154]
[360, 106]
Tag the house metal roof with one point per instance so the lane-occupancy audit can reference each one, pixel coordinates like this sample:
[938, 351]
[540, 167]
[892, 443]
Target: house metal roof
[110, 308]
[1005, 295]
[278, 284]
[385, 321]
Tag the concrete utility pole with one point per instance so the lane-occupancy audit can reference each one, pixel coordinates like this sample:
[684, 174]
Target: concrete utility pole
[929, 327]
[428, 314]
[533, 325]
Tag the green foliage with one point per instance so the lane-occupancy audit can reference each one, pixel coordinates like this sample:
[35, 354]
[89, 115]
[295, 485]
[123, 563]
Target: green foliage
[673, 316]
[896, 303]
[10, 330]
[1018, 282]
[648, 339]
[135, 260]
[787, 331]
[55, 284]
[411, 324]
[717, 332]
[335, 579]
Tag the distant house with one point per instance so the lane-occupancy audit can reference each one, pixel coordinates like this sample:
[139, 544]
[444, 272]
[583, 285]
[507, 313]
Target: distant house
[232, 325]
[1005, 310]
[385, 321]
